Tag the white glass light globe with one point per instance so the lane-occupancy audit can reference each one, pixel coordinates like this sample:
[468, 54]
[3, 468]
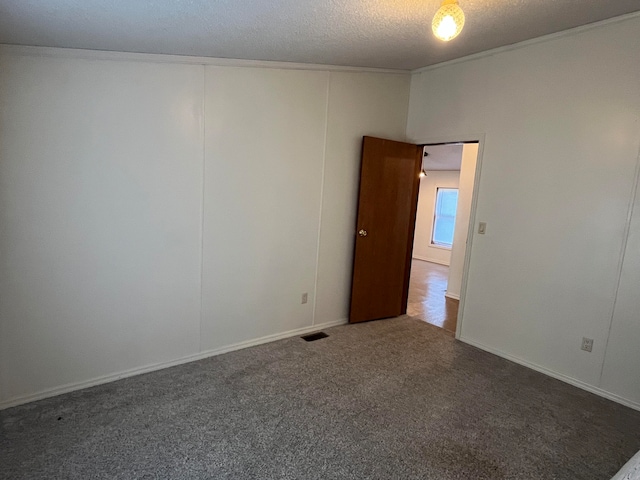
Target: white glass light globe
[448, 20]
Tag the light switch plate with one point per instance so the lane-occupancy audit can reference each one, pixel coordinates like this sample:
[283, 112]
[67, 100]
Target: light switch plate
[482, 228]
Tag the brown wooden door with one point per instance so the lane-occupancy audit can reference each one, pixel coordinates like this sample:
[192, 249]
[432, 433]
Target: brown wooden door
[387, 202]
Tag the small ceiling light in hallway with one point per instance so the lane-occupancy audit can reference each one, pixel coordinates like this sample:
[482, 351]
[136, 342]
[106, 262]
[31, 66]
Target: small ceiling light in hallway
[423, 172]
[448, 20]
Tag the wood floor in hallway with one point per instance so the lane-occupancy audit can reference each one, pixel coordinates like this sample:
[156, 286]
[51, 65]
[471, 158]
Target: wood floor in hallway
[427, 286]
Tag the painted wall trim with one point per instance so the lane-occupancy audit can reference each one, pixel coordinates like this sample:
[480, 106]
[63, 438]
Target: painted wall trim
[532, 41]
[25, 50]
[203, 132]
[452, 296]
[71, 387]
[322, 179]
[430, 260]
[558, 376]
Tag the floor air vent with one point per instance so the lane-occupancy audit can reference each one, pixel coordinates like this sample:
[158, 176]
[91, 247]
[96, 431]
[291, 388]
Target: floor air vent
[314, 336]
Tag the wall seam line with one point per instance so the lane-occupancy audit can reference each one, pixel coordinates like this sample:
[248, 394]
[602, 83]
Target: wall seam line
[623, 252]
[324, 163]
[202, 192]
[407, 109]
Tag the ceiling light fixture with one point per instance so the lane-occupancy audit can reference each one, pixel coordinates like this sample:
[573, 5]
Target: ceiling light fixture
[448, 20]
[423, 172]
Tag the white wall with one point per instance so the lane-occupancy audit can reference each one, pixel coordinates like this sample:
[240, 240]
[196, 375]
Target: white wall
[154, 212]
[100, 207]
[422, 247]
[263, 175]
[622, 358]
[562, 133]
[359, 104]
[465, 197]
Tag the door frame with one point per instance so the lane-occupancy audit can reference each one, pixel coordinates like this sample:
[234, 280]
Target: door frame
[465, 138]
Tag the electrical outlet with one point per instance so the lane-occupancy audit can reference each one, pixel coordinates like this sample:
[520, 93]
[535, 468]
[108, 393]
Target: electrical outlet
[587, 344]
[305, 297]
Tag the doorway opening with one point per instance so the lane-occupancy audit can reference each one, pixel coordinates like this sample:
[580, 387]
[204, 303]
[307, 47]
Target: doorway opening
[440, 234]
[388, 200]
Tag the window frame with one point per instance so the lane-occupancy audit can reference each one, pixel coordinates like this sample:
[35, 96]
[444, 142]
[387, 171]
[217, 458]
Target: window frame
[433, 243]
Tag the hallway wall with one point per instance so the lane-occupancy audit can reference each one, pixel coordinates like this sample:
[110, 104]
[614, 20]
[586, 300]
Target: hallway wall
[465, 198]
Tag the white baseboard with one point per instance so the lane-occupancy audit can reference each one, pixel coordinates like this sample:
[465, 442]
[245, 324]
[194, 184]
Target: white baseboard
[70, 387]
[452, 296]
[430, 260]
[558, 376]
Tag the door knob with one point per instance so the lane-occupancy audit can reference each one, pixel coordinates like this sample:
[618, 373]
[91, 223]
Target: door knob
[362, 233]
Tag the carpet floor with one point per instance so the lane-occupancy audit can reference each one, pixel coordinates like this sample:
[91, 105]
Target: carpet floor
[392, 399]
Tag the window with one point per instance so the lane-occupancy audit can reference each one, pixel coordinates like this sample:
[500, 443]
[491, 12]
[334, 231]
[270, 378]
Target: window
[445, 217]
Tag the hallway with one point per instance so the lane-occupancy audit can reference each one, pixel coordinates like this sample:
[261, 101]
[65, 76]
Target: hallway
[427, 286]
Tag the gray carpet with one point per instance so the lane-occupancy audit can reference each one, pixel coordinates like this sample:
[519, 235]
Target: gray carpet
[393, 399]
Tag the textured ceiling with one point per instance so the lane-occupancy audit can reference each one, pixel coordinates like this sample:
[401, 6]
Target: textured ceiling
[367, 33]
[443, 157]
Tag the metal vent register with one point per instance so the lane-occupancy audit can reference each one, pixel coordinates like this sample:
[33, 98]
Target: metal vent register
[312, 337]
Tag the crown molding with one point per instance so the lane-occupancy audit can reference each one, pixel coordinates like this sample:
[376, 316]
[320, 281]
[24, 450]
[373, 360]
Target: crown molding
[76, 53]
